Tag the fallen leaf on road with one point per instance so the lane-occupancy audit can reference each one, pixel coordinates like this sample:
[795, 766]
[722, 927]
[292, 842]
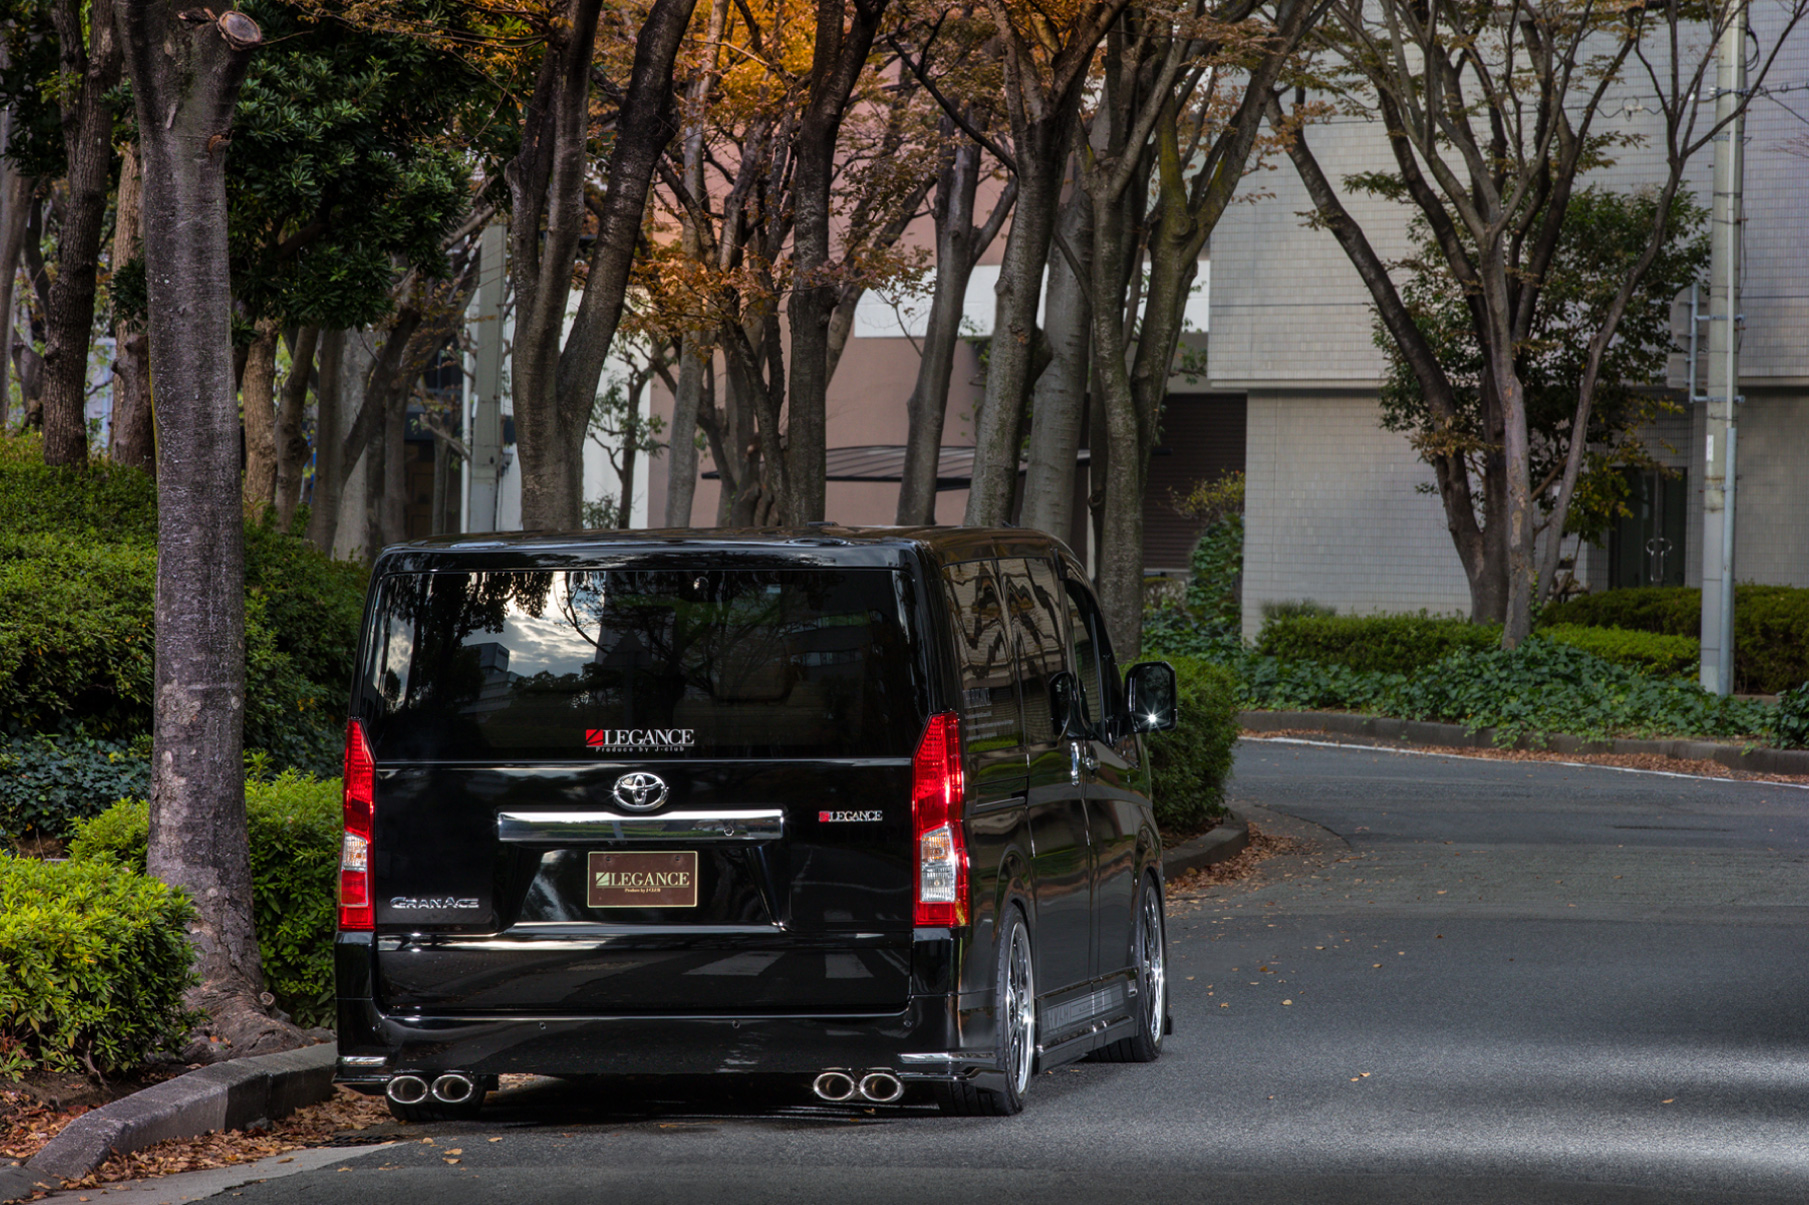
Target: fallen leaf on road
[1287, 1002]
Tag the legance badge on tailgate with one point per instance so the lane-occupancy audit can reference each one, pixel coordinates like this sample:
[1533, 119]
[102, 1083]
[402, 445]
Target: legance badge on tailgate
[643, 879]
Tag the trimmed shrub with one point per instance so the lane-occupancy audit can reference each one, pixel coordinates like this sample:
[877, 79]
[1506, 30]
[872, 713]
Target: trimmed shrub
[1790, 728]
[93, 964]
[295, 825]
[1649, 651]
[1295, 609]
[1771, 626]
[1390, 644]
[49, 782]
[1189, 766]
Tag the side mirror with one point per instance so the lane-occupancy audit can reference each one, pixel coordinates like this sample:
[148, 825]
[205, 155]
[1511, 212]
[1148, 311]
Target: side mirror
[1067, 709]
[1150, 687]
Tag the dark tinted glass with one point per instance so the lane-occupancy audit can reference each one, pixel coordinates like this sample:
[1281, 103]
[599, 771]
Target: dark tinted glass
[623, 664]
[1086, 653]
[1033, 597]
[989, 696]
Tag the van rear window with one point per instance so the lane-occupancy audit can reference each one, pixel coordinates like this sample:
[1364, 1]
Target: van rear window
[622, 664]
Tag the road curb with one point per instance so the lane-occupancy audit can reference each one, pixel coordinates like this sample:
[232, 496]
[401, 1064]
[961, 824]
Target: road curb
[1752, 759]
[1229, 838]
[225, 1096]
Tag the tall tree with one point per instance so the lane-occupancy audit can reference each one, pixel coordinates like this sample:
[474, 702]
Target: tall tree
[845, 30]
[88, 70]
[1177, 120]
[1492, 117]
[555, 381]
[1046, 73]
[186, 67]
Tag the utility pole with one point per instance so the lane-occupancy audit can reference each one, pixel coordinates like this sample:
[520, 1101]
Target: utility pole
[486, 407]
[1723, 392]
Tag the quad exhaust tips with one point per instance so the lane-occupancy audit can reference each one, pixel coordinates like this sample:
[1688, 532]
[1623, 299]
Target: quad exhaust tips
[880, 1087]
[453, 1088]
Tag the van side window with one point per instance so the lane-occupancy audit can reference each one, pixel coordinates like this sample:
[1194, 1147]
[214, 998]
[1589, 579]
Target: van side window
[1094, 664]
[989, 696]
[1033, 596]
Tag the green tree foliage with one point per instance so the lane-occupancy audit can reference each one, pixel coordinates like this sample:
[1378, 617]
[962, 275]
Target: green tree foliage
[345, 161]
[1604, 232]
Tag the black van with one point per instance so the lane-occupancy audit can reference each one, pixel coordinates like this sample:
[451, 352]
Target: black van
[869, 807]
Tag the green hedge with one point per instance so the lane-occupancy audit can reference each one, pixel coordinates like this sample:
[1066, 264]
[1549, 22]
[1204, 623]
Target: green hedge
[93, 964]
[78, 569]
[1771, 626]
[1189, 765]
[1649, 651]
[295, 825]
[1389, 644]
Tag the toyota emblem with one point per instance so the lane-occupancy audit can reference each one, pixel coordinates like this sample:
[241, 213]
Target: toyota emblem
[640, 792]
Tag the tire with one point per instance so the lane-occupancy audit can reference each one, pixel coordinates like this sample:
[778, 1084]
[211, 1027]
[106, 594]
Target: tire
[1014, 987]
[431, 1110]
[1149, 936]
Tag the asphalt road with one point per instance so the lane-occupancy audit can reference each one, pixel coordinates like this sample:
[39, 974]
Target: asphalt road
[1488, 981]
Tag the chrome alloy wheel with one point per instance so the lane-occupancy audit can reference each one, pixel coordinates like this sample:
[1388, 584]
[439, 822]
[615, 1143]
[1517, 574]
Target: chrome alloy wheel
[1018, 1014]
[1152, 966]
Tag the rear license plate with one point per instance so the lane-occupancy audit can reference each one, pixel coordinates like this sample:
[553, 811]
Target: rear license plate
[643, 879]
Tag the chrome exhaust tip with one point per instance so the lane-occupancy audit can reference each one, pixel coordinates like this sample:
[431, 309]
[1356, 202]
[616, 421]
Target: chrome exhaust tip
[833, 1086]
[881, 1087]
[453, 1088]
[406, 1089]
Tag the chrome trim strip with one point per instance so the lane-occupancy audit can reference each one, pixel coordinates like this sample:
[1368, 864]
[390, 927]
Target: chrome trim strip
[758, 824]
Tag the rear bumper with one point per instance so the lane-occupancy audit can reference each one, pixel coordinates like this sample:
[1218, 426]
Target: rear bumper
[914, 1044]
[939, 1036]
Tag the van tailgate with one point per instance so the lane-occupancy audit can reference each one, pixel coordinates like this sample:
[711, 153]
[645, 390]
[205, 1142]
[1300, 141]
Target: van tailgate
[755, 886]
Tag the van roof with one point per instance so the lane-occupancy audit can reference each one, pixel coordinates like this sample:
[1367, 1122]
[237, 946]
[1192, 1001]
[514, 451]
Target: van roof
[823, 543]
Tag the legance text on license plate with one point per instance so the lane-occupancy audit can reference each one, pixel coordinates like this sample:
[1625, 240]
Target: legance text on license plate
[643, 879]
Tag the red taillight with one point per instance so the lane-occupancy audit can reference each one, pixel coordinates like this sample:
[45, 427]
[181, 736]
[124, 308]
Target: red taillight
[936, 790]
[360, 814]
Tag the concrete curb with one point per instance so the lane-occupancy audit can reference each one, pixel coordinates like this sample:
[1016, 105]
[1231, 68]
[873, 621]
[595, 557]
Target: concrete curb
[225, 1096]
[1230, 837]
[1754, 760]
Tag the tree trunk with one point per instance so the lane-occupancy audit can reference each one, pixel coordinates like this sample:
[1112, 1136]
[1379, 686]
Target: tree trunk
[90, 67]
[291, 444]
[1041, 153]
[958, 245]
[836, 63]
[185, 78]
[257, 403]
[15, 191]
[681, 455]
[131, 438]
[1061, 391]
[329, 429]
